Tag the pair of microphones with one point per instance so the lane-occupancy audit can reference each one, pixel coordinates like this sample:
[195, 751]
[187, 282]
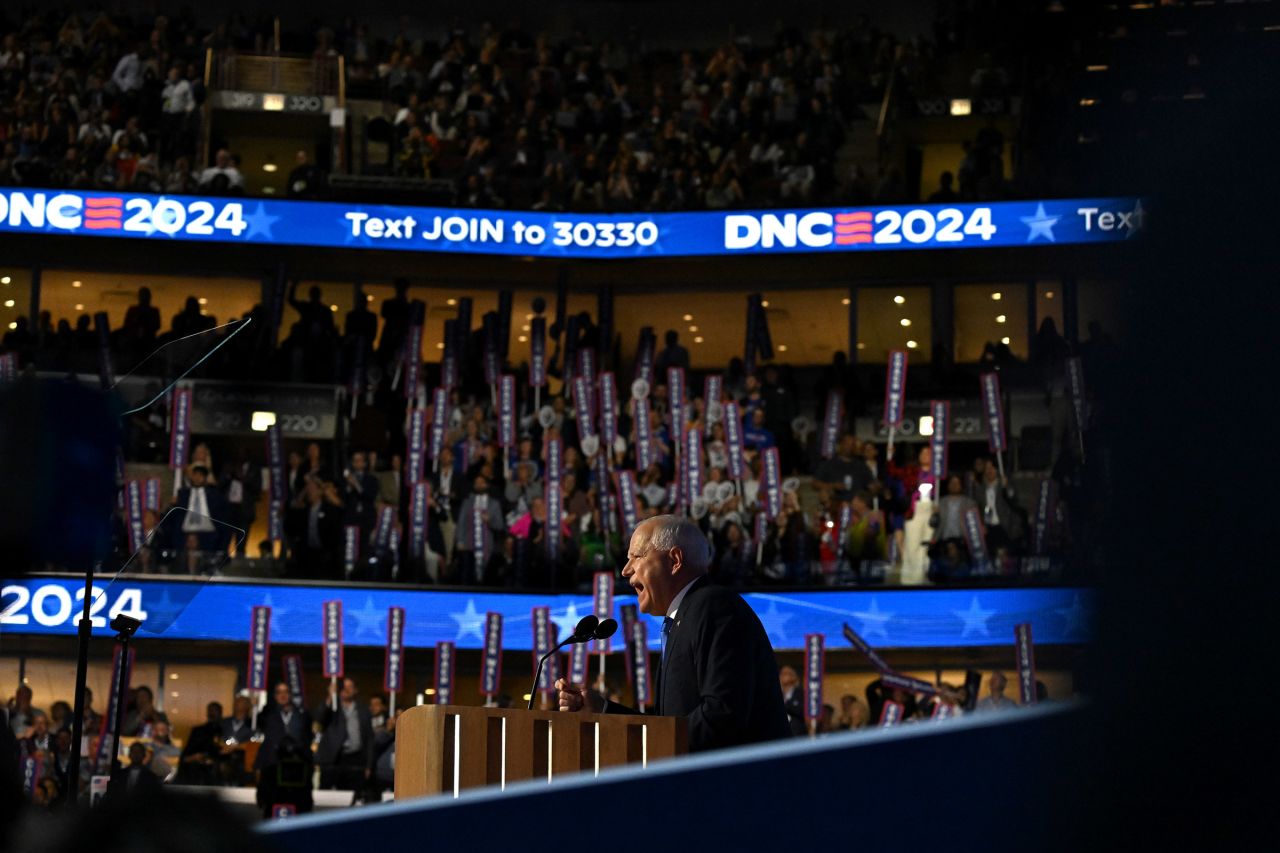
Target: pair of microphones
[588, 628]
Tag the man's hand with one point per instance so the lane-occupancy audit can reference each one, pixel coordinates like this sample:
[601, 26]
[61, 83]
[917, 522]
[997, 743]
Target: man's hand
[575, 697]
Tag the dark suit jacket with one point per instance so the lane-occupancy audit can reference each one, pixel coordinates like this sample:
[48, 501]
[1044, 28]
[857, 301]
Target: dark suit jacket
[720, 672]
[335, 734]
[275, 732]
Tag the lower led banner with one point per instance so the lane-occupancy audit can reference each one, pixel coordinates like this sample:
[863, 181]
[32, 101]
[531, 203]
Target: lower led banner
[880, 618]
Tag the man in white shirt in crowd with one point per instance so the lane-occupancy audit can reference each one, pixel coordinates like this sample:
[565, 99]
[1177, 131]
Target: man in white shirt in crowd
[223, 167]
[996, 699]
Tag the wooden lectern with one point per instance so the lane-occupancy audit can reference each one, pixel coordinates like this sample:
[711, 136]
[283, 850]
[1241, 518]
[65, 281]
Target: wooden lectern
[443, 749]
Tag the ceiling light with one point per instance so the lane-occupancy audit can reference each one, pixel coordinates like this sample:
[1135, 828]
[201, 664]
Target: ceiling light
[698, 339]
[912, 345]
[526, 697]
[899, 299]
[203, 301]
[79, 306]
[845, 301]
[528, 316]
[5, 280]
[440, 345]
[1004, 341]
[1095, 68]
[269, 167]
[8, 303]
[173, 676]
[430, 691]
[764, 303]
[451, 301]
[688, 317]
[13, 325]
[904, 321]
[861, 345]
[693, 328]
[75, 283]
[925, 425]
[368, 297]
[961, 106]
[333, 308]
[259, 421]
[522, 338]
[997, 296]
[525, 327]
[1000, 318]
[782, 347]
[1048, 294]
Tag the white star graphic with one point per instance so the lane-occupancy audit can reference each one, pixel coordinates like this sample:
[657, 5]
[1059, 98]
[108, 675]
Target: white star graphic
[975, 619]
[277, 613]
[567, 622]
[774, 623]
[162, 614]
[260, 222]
[1076, 616]
[1041, 224]
[470, 623]
[872, 621]
[369, 619]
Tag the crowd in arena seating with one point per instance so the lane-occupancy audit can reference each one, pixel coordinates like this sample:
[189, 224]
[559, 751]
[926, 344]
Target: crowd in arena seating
[283, 747]
[901, 525]
[511, 118]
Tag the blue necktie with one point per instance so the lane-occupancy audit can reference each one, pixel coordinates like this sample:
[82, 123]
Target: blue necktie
[667, 622]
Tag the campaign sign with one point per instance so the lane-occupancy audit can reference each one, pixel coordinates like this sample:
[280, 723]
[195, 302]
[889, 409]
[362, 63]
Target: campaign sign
[418, 502]
[644, 435]
[491, 666]
[1075, 384]
[608, 411]
[869, 653]
[133, 513]
[350, 548]
[628, 614]
[895, 387]
[675, 398]
[891, 714]
[640, 667]
[444, 672]
[151, 494]
[578, 655]
[507, 411]
[393, 661]
[644, 354]
[582, 406]
[1026, 659]
[415, 459]
[941, 411]
[439, 421]
[293, 677]
[279, 489]
[180, 436]
[259, 648]
[993, 412]
[554, 500]
[907, 683]
[1042, 523]
[831, 424]
[772, 482]
[692, 464]
[814, 668]
[413, 361]
[543, 643]
[712, 392]
[332, 639]
[121, 670]
[628, 499]
[733, 440]
[975, 537]
[538, 352]
[602, 602]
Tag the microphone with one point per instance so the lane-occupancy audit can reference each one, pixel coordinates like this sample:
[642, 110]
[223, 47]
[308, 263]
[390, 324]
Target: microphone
[587, 629]
[606, 629]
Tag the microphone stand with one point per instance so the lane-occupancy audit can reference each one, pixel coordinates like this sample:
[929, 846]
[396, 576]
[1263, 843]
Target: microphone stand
[568, 641]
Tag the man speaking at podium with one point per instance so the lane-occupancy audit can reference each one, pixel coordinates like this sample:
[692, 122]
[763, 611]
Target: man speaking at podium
[718, 669]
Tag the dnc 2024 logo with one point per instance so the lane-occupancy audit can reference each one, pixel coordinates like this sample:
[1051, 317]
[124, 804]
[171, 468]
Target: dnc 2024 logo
[125, 214]
[822, 228]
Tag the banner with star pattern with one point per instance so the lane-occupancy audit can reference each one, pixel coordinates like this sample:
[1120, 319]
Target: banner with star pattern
[884, 618]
